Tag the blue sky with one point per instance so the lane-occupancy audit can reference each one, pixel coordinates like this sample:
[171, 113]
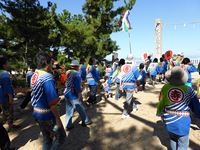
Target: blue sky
[142, 17]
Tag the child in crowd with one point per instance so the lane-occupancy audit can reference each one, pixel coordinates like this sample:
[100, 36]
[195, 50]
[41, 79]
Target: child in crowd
[163, 68]
[92, 80]
[189, 68]
[154, 70]
[147, 63]
[108, 71]
[106, 87]
[143, 74]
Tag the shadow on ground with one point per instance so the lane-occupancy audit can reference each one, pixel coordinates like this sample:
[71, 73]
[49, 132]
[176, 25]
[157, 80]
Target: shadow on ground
[100, 136]
[26, 135]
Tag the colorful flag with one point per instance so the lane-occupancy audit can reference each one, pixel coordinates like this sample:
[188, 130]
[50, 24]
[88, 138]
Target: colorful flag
[125, 24]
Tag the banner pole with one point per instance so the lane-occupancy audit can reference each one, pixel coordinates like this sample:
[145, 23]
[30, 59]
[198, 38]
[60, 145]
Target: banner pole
[129, 42]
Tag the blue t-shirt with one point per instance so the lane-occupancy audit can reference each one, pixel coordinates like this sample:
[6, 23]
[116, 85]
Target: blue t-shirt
[179, 101]
[43, 94]
[189, 69]
[155, 69]
[164, 67]
[83, 72]
[115, 65]
[131, 75]
[73, 85]
[143, 74]
[92, 75]
[106, 86]
[97, 74]
[5, 86]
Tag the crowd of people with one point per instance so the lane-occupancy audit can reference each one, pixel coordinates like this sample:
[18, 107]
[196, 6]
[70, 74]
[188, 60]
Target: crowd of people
[177, 97]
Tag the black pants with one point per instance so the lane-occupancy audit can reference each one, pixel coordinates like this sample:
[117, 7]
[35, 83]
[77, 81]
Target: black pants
[92, 97]
[5, 141]
[26, 100]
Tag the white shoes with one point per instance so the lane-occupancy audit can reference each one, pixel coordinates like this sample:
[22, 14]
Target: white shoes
[127, 116]
[135, 109]
[124, 116]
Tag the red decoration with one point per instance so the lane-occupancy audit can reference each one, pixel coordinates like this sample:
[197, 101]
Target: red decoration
[34, 78]
[176, 95]
[168, 54]
[145, 55]
[126, 68]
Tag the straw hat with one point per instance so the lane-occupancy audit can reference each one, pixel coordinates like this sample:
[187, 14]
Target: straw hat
[176, 76]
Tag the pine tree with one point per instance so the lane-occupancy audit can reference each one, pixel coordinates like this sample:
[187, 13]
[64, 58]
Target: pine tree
[30, 26]
[102, 15]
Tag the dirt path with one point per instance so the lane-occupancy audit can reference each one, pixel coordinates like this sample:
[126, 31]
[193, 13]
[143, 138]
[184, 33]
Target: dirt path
[142, 131]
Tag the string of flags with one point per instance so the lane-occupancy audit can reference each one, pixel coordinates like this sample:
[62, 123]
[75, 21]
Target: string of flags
[193, 24]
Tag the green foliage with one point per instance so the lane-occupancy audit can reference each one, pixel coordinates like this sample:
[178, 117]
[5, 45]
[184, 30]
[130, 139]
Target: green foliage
[61, 59]
[103, 17]
[18, 65]
[26, 27]
[30, 28]
[76, 34]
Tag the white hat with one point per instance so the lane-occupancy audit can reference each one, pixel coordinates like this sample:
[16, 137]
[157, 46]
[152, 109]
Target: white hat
[130, 59]
[180, 54]
[75, 63]
[130, 56]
